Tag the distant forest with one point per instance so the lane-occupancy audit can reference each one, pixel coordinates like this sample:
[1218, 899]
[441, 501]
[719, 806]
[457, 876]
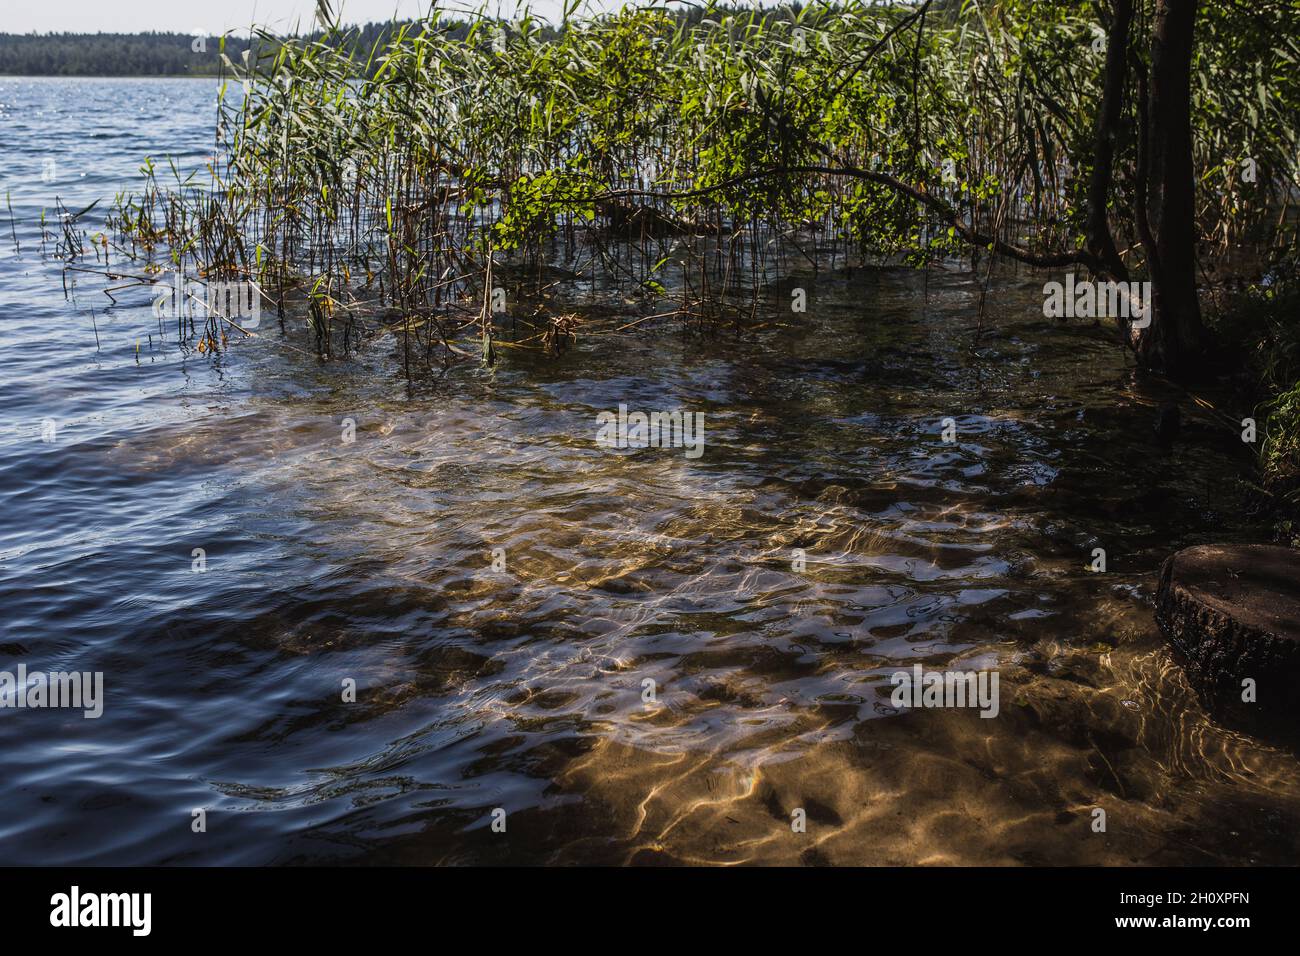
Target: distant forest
[144, 54]
[181, 54]
[112, 54]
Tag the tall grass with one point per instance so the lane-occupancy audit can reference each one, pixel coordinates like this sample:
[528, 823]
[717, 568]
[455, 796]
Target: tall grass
[388, 190]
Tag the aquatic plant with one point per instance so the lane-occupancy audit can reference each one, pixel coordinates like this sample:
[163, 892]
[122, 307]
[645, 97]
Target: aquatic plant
[388, 190]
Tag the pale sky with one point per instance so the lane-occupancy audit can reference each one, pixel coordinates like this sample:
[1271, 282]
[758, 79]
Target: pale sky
[218, 16]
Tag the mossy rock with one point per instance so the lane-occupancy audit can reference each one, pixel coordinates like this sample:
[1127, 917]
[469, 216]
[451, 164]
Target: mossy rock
[1232, 614]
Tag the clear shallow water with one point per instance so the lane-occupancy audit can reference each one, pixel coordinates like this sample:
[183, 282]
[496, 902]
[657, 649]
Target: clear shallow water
[522, 689]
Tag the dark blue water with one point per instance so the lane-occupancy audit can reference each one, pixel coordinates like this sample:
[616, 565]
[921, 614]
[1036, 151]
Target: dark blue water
[522, 689]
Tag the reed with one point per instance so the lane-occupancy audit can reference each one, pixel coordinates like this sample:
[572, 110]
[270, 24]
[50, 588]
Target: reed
[695, 156]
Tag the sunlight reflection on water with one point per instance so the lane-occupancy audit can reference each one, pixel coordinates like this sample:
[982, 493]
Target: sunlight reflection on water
[523, 688]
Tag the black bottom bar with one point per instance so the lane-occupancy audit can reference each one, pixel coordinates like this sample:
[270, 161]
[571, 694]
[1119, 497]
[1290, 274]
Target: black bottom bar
[333, 906]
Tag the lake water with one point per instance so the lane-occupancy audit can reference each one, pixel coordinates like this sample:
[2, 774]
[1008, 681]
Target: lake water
[524, 689]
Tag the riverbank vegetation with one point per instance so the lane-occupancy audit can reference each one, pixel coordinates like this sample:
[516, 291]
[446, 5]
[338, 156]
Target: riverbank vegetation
[1257, 328]
[690, 159]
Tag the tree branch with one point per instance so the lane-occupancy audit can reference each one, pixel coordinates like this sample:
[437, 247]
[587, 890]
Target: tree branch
[946, 212]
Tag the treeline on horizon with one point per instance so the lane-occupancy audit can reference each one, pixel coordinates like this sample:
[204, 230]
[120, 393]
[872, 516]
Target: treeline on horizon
[140, 54]
[174, 54]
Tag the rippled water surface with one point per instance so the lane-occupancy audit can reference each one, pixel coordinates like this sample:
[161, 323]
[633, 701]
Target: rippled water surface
[522, 689]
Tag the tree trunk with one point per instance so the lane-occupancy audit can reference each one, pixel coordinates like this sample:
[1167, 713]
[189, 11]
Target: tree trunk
[1099, 240]
[1232, 613]
[1173, 342]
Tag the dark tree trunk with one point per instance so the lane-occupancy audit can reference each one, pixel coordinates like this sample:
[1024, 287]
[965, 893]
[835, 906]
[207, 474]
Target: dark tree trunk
[1232, 613]
[1099, 240]
[1173, 342]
